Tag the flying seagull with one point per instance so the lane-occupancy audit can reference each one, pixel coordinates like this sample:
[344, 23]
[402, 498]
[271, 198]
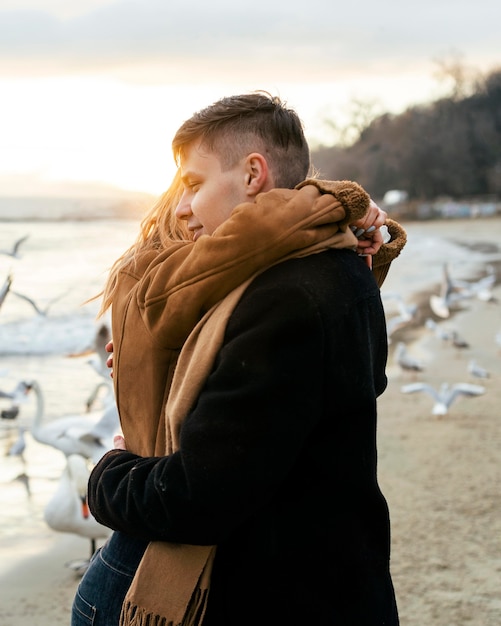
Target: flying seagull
[446, 395]
[14, 252]
[38, 309]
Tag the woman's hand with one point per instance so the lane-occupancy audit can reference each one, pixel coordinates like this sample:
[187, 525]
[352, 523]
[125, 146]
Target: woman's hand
[119, 442]
[109, 348]
[366, 230]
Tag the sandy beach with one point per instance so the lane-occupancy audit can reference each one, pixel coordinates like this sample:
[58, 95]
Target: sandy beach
[440, 475]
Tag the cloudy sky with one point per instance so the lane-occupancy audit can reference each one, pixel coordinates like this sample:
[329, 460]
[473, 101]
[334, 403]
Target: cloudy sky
[93, 90]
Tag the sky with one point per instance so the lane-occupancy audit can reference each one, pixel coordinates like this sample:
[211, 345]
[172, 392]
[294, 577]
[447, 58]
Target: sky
[92, 91]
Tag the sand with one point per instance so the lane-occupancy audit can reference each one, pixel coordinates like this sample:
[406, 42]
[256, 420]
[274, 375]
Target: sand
[441, 475]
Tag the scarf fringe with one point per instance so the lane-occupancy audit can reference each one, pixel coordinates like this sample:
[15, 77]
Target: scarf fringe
[133, 615]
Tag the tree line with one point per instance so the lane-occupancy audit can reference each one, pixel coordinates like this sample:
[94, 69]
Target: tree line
[450, 147]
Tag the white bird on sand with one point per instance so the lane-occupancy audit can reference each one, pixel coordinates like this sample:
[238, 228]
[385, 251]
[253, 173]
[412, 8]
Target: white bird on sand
[476, 371]
[440, 333]
[406, 313]
[482, 288]
[67, 511]
[89, 434]
[446, 395]
[14, 251]
[458, 341]
[406, 361]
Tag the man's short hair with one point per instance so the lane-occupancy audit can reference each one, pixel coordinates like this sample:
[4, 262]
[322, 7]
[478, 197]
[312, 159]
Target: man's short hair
[235, 126]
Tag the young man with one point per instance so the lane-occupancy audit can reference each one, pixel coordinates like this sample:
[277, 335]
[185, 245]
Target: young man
[267, 510]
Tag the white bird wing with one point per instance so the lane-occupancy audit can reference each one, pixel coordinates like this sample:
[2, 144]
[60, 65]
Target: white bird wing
[71, 435]
[466, 389]
[439, 306]
[15, 247]
[5, 288]
[30, 301]
[413, 387]
[107, 425]
[18, 243]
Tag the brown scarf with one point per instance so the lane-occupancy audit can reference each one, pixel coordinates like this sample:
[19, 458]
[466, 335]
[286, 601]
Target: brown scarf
[172, 582]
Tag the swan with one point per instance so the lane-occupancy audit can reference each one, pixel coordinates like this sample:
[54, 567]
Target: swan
[90, 434]
[98, 362]
[67, 511]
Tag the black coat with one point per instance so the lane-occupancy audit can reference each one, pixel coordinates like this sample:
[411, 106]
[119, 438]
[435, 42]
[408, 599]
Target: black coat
[277, 460]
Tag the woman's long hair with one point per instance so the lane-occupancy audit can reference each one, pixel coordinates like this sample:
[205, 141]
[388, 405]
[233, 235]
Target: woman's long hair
[158, 229]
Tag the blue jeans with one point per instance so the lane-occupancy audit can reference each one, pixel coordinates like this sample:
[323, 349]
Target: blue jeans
[101, 592]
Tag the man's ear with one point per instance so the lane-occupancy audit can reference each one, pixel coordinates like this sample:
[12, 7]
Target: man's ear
[256, 174]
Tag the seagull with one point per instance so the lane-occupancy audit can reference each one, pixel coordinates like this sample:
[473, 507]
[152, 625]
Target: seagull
[440, 333]
[88, 434]
[68, 511]
[5, 288]
[14, 252]
[405, 360]
[38, 309]
[451, 291]
[446, 395]
[440, 304]
[406, 313]
[482, 288]
[458, 341]
[476, 371]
